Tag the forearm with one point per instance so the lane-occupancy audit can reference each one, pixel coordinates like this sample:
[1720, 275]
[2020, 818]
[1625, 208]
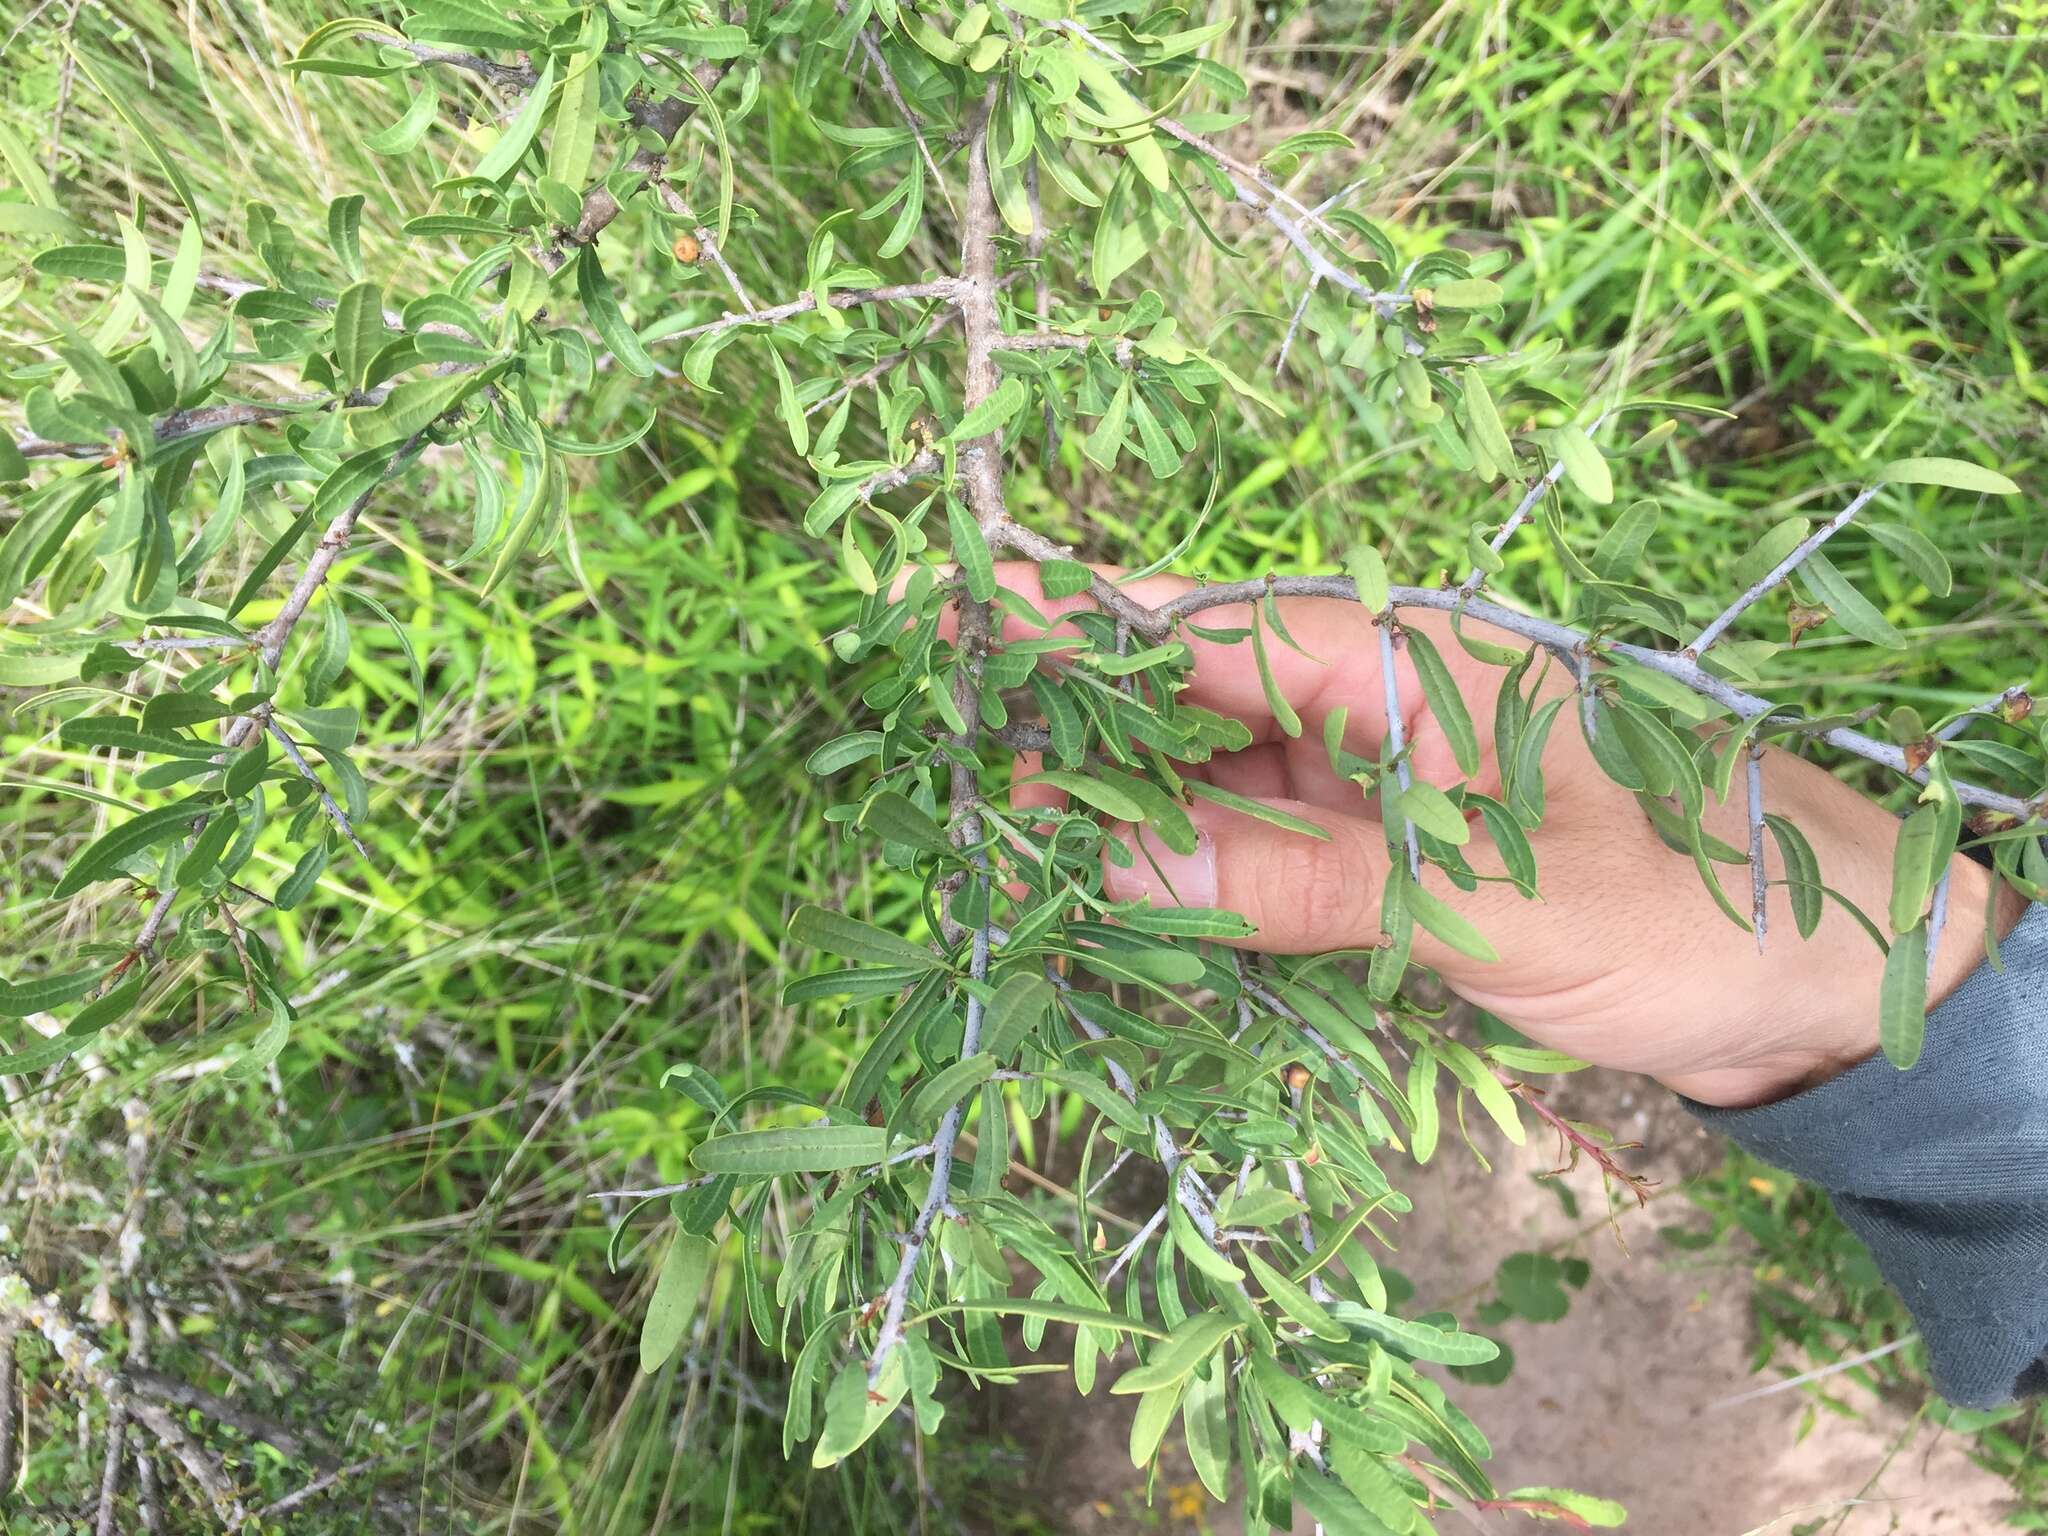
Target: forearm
[1943, 1169]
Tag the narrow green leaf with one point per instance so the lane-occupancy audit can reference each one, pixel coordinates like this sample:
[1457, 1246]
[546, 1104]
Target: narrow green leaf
[994, 413]
[1369, 572]
[1852, 610]
[519, 134]
[1480, 1082]
[816, 1148]
[1619, 554]
[331, 659]
[1283, 712]
[836, 933]
[971, 551]
[19, 999]
[1257, 809]
[1422, 1072]
[1296, 1302]
[602, 305]
[1187, 1346]
[1448, 925]
[403, 136]
[1916, 863]
[674, 1302]
[843, 752]
[298, 885]
[1765, 555]
[359, 331]
[1902, 998]
[1484, 419]
[1802, 873]
[1445, 700]
[99, 861]
[1466, 293]
[572, 136]
[1418, 1341]
[1583, 464]
[1049, 1311]
[1431, 811]
[105, 1009]
[1150, 1423]
[1106, 798]
[1118, 1110]
[1919, 553]
[1064, 578]
[1102, 444]
[787, 406]
[1014, 1013]
[413, 407]
[894, 817]
[1605, 1513]
[198, 860]
[1331, 1506]
[1195, 1248]
[1301, 1405]
[940, 1092]
[1956, 474]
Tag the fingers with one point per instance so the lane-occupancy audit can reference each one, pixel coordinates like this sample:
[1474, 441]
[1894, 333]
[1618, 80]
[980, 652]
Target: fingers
[1031, 797]
[1303, 895]
[1341, 667]
[1307, 896]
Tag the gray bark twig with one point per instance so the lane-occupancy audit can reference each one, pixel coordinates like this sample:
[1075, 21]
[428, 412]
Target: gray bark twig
[86, 1361]
[1566, 643]
[1397, 739]
[982, 476]
[1697, 646]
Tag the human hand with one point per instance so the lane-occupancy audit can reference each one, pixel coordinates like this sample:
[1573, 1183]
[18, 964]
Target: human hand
[1623, 959]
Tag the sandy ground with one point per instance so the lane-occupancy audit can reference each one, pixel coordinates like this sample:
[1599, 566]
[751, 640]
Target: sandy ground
[1616, 1399]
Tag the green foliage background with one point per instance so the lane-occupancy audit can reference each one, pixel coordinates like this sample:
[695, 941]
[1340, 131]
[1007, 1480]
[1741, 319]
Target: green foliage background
[586, 851]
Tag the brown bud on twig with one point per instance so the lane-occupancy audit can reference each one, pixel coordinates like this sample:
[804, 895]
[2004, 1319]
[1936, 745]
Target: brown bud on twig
[1918, 752]
[2015, 706]
[686, 249]
[1805, 616]
[1298, 1077]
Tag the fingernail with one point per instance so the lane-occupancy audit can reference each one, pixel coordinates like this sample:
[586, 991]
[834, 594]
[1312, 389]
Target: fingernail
[1178, 880]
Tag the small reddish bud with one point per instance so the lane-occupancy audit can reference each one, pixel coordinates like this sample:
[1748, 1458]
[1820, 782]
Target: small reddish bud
[2016, 706]
[1917, 753]
[686, 249]
[1298, 1077]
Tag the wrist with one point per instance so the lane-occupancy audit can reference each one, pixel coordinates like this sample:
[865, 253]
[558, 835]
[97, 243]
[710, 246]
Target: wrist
[1819, 1015]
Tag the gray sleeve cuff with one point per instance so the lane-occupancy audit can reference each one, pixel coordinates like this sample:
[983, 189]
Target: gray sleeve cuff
[1943, 1170]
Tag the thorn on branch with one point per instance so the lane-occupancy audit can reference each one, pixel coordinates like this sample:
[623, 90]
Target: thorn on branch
[1757, 882]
